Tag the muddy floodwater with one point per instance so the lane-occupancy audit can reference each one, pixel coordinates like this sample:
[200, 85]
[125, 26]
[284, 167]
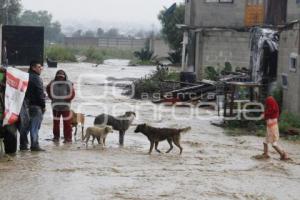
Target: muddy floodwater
[212, 165]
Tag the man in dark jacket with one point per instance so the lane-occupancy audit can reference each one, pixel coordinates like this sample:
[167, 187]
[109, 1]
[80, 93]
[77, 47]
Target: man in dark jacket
[35, 102]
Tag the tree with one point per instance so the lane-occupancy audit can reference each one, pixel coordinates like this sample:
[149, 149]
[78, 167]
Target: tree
[9, 11]
[113, 32]
[140, 34]
[42, 18]
[100, 32]
[89, 33]
[170, 33]
[77, 33]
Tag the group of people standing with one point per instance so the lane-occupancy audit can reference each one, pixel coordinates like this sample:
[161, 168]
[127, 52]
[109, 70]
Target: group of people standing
[61, 92]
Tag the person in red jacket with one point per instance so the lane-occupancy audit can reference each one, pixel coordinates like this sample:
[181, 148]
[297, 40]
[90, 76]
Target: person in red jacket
[61, 92]
[271, 115]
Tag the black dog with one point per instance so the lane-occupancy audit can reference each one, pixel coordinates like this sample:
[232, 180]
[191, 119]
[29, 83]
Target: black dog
[120, 123]
[155, 135]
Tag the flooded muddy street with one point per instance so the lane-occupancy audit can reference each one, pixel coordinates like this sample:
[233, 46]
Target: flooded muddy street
[212, 165]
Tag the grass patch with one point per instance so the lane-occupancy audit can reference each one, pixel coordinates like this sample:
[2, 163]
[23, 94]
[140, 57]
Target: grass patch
[135, 62]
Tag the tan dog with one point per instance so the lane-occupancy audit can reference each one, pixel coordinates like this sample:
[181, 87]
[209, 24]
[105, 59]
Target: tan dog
[97, 132]
[77, 118]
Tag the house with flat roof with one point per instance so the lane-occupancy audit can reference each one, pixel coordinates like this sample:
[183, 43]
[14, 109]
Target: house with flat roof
[218, 31]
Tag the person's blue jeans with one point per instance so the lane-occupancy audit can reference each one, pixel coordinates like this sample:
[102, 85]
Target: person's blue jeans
[36, 118]
[23, 126]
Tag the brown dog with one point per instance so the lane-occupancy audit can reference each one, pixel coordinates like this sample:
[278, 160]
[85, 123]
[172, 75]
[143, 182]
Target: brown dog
[77, 118]
[155, 135]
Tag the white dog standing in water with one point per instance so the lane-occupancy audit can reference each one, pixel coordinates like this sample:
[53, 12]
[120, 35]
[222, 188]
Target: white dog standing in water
[97, 132]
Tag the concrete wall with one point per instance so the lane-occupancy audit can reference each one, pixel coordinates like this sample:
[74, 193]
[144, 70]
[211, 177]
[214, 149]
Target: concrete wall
[121, 43]
[293, 10]
[160, 48]
[288, 45]
[81, 41]
[214, 48]
[201, 13]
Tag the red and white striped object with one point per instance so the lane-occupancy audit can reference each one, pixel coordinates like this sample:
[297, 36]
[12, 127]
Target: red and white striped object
[16, 86]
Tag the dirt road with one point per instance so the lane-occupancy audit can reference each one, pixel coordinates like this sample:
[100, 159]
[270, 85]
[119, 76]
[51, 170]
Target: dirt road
[212, 166]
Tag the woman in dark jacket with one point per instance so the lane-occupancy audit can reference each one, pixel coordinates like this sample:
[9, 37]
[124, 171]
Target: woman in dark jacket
[61, 92]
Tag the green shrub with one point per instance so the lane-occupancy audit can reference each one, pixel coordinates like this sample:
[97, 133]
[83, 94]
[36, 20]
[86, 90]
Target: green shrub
[211, 73]
[227, 69]
[173, 76]
[288, 120]
[144, 54]
[152, 83]
[92, 55]
[60, 53]
[175, 57]
[277, 94]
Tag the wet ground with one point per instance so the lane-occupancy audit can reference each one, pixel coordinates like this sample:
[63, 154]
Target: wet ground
[212, 166]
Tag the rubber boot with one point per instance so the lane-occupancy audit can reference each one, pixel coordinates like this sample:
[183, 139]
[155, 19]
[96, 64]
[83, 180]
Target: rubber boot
[283, 155]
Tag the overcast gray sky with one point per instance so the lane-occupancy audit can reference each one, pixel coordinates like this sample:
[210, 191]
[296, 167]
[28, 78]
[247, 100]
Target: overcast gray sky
[136, 11]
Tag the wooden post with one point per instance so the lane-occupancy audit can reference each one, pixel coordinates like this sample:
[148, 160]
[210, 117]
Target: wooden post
[225, 100]
[232, 100]
[276, 12]
[251, 94]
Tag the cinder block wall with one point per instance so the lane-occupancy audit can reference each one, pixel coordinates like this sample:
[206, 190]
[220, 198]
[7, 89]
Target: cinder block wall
[216, 14]
[293, 10]
[214, 48]
[289, 43]
[223, 46]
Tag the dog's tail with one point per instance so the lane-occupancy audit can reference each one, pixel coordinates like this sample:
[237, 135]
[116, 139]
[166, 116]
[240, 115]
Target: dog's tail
[184, 130]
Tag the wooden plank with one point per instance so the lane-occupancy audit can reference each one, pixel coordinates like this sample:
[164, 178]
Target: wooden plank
[276, 12]
[185, 83]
